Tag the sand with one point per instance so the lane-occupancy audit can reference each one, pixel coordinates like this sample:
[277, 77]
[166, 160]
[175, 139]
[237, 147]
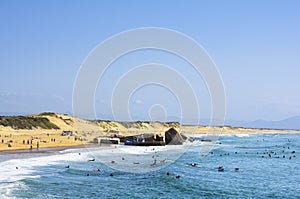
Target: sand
[34, 139]
[87, 131]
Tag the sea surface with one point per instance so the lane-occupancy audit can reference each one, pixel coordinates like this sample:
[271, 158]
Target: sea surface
[268, 167]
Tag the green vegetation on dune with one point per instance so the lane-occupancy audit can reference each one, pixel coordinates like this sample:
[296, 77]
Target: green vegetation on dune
[27, 122]
[47, 114]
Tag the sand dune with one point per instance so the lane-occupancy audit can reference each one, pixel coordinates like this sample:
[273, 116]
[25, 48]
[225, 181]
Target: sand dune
[13, 138]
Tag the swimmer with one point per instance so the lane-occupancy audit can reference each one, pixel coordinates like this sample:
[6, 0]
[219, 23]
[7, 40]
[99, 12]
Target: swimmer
[220, 168]
[154, 163]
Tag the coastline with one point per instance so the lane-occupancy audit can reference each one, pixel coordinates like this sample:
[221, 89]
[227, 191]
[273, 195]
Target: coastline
[78, 145]
[23, 135]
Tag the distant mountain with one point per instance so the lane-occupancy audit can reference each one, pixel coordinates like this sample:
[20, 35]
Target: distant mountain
[12, 114]
[292, 123]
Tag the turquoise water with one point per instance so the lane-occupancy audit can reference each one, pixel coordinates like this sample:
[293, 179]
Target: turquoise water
[44, 175]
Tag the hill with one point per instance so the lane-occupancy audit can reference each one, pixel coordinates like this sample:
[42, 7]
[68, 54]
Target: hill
[45, 130]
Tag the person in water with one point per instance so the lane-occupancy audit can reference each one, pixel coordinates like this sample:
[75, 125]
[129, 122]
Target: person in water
[220, 168]
[192, 164]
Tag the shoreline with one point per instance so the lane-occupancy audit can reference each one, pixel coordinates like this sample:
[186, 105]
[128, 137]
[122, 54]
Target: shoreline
[28, 134]
[55, 148]
[40, 150]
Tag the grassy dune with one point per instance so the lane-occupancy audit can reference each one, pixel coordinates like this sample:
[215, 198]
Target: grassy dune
[42, 129]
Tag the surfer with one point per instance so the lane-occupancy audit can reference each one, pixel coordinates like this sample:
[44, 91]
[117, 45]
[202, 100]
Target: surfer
[220, 168]
[154, 163]
[191, 164]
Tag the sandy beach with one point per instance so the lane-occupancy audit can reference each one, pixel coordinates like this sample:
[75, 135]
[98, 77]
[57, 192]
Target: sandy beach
[32, 139]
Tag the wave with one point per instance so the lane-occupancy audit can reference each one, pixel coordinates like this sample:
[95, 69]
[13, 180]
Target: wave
[7, 189]
[242, 135]
[21, 168]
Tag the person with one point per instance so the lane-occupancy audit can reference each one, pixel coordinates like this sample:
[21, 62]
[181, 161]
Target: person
[220, 168]
[154, 163]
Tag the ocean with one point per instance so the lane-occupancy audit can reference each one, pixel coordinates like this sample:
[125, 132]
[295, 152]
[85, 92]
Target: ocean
[254, 166]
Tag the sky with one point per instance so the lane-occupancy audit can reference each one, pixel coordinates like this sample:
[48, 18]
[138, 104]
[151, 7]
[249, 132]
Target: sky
[255, 46]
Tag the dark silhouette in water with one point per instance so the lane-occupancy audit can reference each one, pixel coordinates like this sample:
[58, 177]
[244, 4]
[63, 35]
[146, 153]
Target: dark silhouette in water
[220, 168]
[191, 164]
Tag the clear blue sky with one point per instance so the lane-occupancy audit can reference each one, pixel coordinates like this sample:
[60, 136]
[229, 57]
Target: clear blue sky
[255, 45]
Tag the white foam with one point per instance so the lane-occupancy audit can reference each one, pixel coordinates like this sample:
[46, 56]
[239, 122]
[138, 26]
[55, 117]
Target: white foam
[242, 135]
[18, 169]
[6, 189]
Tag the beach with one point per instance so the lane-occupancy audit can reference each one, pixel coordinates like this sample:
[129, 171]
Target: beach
[86, 131]
[35, 139]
